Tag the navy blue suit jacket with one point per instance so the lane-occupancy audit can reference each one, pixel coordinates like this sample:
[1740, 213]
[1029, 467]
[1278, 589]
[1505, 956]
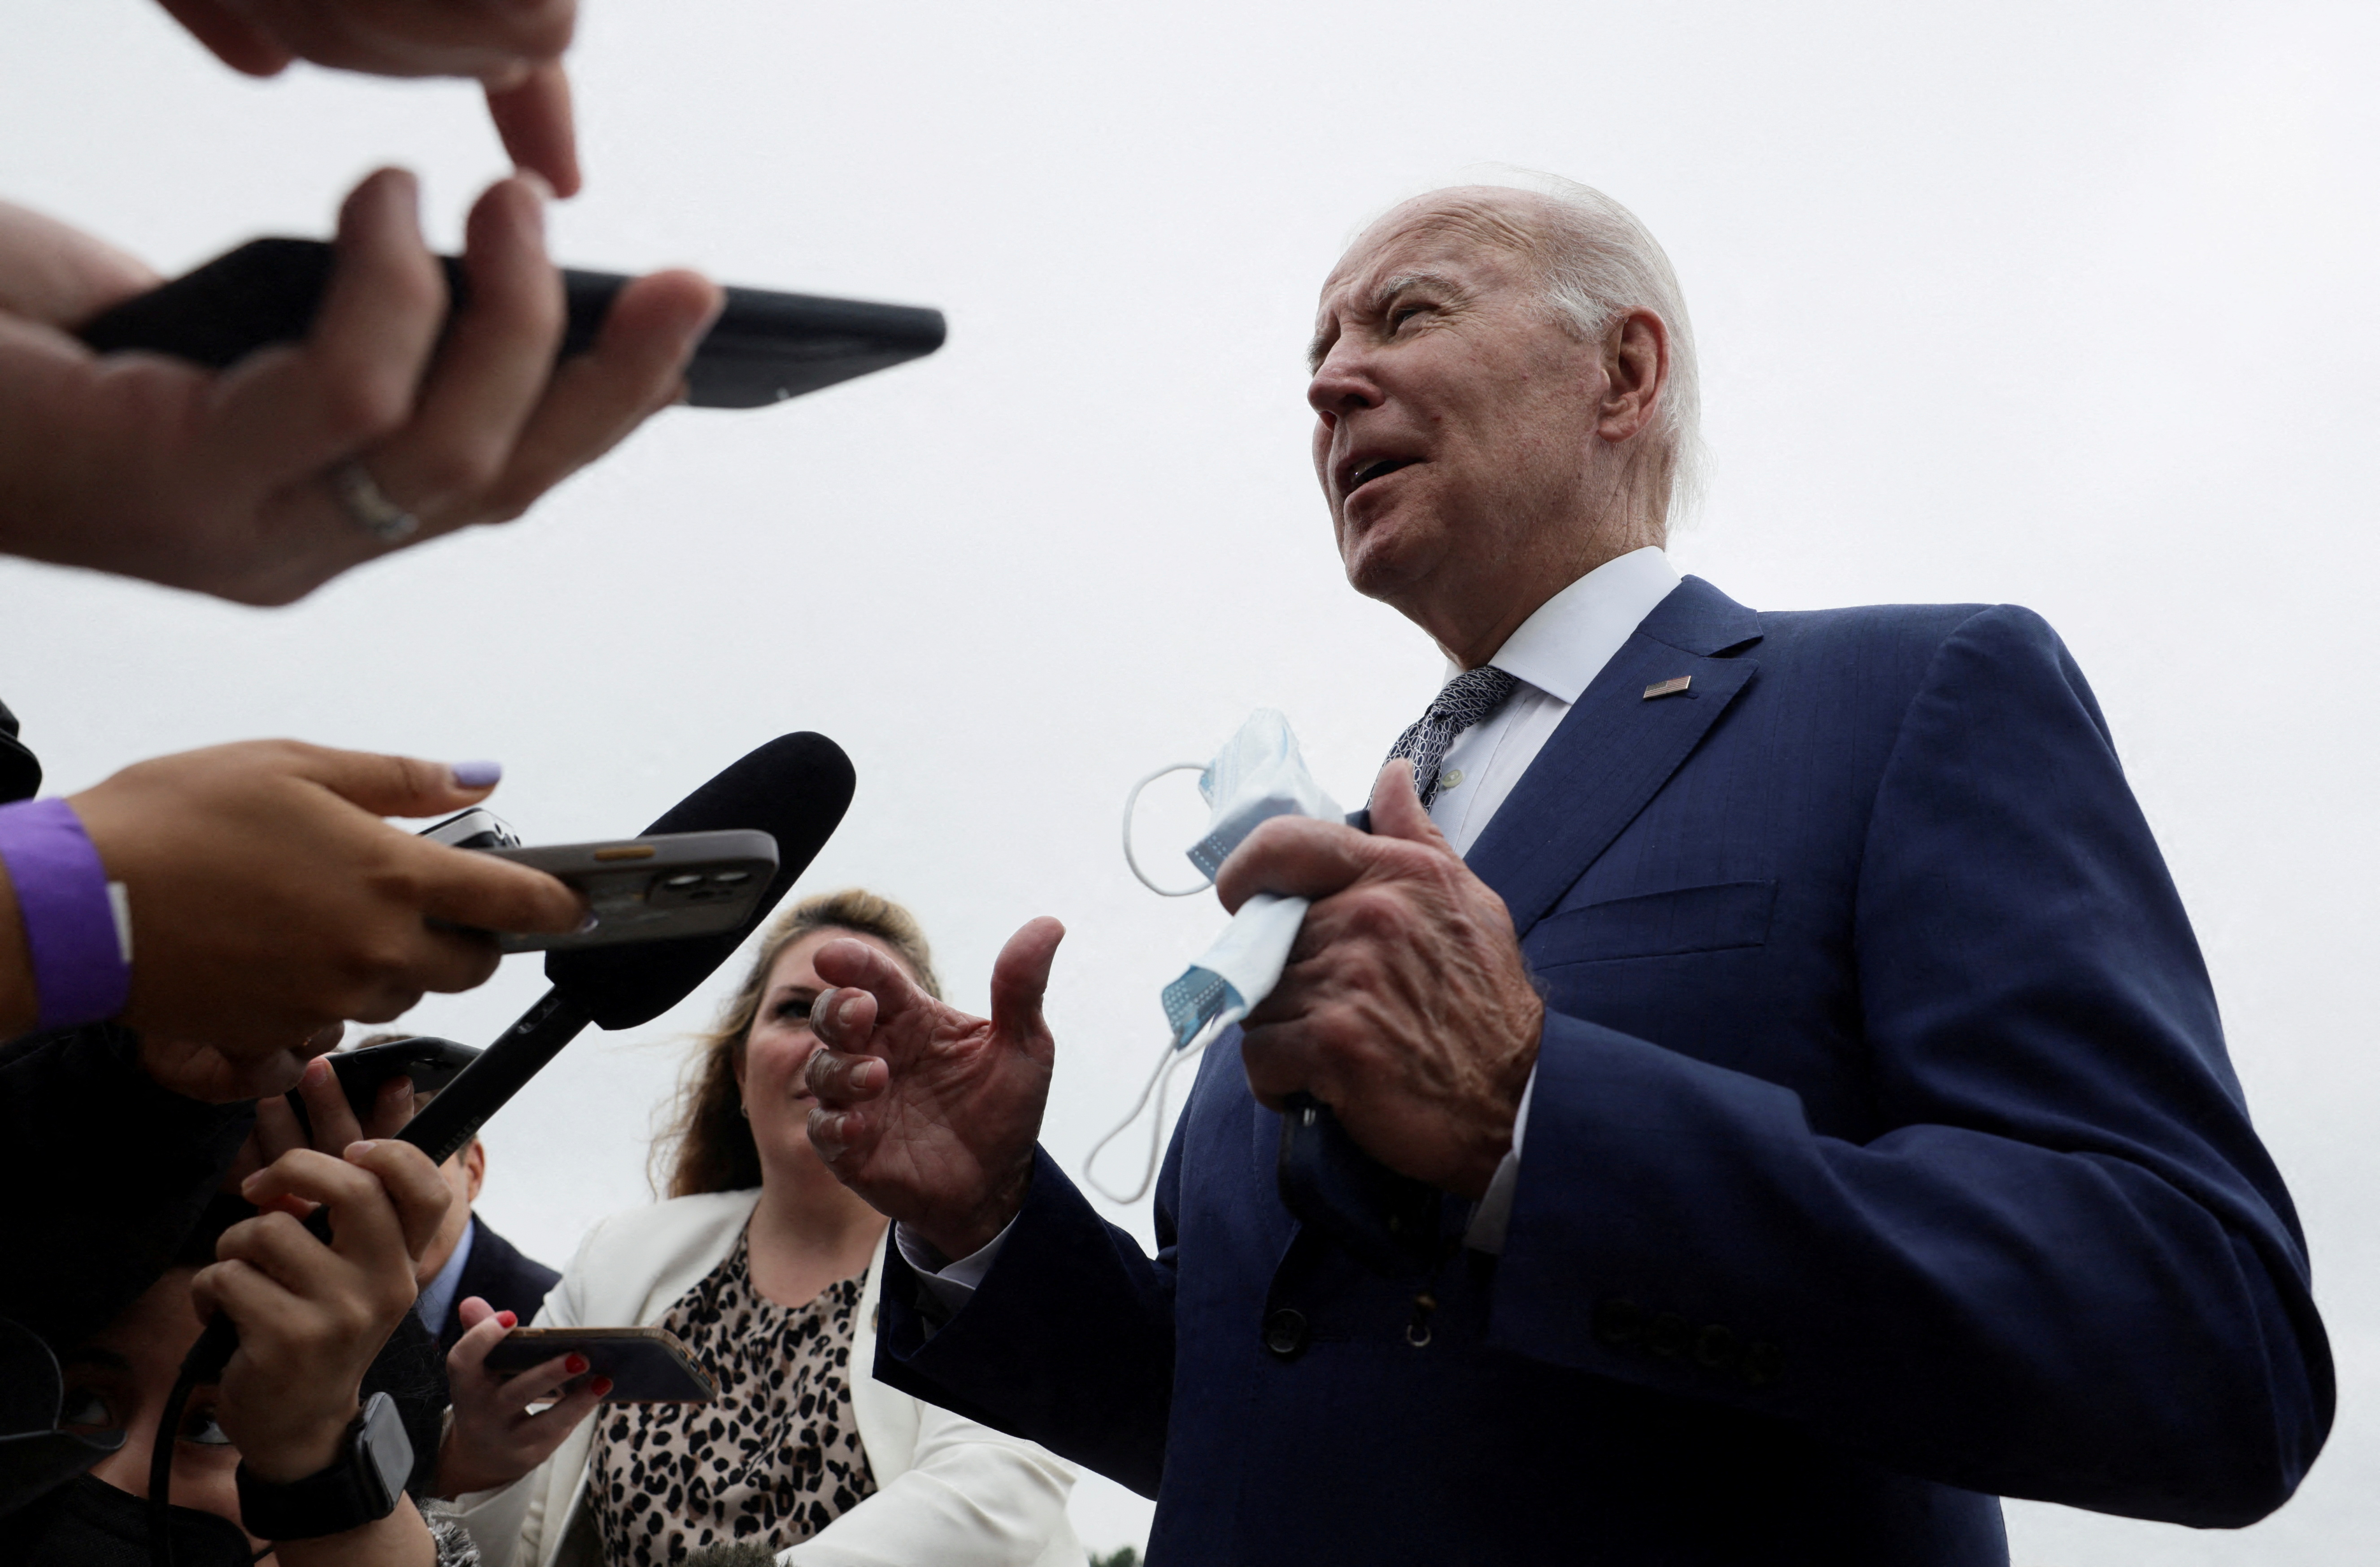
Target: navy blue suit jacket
[1884, 1157]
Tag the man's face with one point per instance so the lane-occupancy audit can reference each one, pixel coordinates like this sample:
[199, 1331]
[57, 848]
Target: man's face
[1455, 416]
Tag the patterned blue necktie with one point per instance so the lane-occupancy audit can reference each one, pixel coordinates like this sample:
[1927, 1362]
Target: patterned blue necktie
[1465, 700]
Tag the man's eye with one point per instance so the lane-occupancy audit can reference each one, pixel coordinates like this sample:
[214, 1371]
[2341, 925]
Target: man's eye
[1402, 314]
[200, 1427]
[86, 1409]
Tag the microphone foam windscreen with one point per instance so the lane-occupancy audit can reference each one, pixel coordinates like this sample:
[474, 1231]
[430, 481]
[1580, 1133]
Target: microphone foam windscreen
[796, 788]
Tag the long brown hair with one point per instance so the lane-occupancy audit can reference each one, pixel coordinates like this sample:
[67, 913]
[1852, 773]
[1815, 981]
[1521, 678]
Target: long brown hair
[709, 1146]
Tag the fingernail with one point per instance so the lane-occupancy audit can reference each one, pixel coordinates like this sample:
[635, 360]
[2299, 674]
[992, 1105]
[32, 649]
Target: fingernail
[316, 1070]
[600, 1386]
[478, 775]
[538, 185]
[507, 1319]
[588, 924]
[574, 1364]
[358, 1149]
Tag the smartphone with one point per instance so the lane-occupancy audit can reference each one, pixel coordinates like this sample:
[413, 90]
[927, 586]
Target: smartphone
[431, 1062]
[657, 888]
[646, 1365]
[764, 349]
[477, 828]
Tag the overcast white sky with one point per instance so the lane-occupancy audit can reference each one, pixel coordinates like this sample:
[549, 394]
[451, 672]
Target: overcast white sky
[2064, 305]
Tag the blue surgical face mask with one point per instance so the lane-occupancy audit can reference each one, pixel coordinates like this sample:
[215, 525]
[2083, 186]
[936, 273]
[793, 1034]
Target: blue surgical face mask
[1258, 775]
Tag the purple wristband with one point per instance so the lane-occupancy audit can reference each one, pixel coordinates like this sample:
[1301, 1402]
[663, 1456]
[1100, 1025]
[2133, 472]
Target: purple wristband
[79, 972]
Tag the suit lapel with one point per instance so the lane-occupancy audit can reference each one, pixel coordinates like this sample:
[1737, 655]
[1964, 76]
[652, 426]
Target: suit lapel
[1616, 749]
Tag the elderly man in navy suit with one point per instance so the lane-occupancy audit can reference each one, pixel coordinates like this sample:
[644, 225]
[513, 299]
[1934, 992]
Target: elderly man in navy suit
[1824, 1096]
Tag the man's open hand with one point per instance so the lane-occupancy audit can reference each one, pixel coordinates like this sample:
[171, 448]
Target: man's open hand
[511, 47]
[926, 1112]
[1406, 1006]
[222, 481]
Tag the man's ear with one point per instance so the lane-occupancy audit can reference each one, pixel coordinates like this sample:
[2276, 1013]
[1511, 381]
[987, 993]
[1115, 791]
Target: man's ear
[475, 1169]
[1637, 374]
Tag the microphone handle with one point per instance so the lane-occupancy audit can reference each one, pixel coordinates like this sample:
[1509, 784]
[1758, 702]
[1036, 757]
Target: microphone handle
[448, 1122]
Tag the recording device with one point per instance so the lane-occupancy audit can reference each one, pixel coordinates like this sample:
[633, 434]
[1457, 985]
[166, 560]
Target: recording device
[656, 888]
[430, 1063]
[765, 346]
[646, 1365]
[648, 889]
[1387, 1221]
[477, 828]
[796, 788]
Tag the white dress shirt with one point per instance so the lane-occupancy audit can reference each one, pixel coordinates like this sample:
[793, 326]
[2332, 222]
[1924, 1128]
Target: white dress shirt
[1554, 654]
[437, 1297]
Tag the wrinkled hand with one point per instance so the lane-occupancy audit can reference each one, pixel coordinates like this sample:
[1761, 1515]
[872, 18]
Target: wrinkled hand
[269, 900]
[513, 47]
[1406, 1006]
[494, 1438]
[311, 1317]
[220, 481]
[202, 1072]
[928, 1114]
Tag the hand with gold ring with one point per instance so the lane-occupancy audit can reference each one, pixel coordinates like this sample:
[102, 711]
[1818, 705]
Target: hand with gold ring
[385, 427]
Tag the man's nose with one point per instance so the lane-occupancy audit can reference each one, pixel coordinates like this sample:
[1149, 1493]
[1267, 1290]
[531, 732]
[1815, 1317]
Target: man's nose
[1341, 384]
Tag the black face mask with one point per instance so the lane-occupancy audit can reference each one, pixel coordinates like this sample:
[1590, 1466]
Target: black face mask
[87, 1523]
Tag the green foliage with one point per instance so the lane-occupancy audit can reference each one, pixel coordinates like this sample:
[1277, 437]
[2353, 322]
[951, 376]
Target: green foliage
[1123, 1556]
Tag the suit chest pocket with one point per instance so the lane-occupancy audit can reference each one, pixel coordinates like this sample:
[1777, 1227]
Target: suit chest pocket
[1684, 919]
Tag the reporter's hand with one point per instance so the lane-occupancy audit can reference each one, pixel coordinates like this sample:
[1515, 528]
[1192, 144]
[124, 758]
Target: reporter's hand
[513, 47]
[222, 482]
[202, 1072]
[1406, 1005]
[928, 1114]
[269, 900]
[494, 1438]
[334, 1122]
[311, 1317]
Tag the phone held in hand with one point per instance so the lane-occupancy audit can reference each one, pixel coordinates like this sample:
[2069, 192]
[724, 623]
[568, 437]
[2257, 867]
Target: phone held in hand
[659, 888]
[646, 1365]
[766, 346]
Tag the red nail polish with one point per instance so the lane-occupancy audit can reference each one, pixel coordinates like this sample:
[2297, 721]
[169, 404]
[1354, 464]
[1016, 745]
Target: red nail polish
[574, 1364]
[600, 1386]
[507, 1319]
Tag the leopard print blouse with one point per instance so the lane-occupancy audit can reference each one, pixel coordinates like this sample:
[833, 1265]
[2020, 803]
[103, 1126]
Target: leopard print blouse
[775, 1461]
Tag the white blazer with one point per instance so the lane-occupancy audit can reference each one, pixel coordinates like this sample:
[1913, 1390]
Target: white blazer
[949, 1493]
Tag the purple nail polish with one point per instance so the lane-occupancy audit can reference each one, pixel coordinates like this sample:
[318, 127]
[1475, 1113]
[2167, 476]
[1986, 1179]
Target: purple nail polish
[478, 775]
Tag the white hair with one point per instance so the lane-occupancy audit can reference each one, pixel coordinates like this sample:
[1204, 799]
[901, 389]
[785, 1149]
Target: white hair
[1597, 262]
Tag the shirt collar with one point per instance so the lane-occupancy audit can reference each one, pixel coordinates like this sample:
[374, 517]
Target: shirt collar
[1564, 646]
[436, 1302]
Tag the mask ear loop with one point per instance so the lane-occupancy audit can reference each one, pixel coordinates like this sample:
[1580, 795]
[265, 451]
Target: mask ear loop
[1131, 802]
[1157, 1083]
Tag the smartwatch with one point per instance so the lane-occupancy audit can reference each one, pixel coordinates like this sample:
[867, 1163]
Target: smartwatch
[360, 1486]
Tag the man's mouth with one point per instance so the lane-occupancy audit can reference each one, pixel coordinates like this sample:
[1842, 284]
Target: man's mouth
[1363, 472]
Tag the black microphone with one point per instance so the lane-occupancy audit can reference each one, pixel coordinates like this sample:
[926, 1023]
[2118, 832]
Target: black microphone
[796, 788]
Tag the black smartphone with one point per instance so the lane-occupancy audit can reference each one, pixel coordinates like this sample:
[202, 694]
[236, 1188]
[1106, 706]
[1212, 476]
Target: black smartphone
[646, 1365]
[432, 1063]
[765, 346]
[656, 888]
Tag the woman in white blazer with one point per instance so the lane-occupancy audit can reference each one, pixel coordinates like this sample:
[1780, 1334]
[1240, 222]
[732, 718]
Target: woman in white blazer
[769, 1269]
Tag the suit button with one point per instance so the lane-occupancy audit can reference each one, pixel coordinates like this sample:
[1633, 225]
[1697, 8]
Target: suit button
[1285, 1333]
[1763, 1363]
[1670, 1334]
[1715, 1347]
[1618, 1322]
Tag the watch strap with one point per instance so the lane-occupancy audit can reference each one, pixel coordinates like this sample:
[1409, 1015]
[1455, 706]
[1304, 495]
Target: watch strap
[355, 1490]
